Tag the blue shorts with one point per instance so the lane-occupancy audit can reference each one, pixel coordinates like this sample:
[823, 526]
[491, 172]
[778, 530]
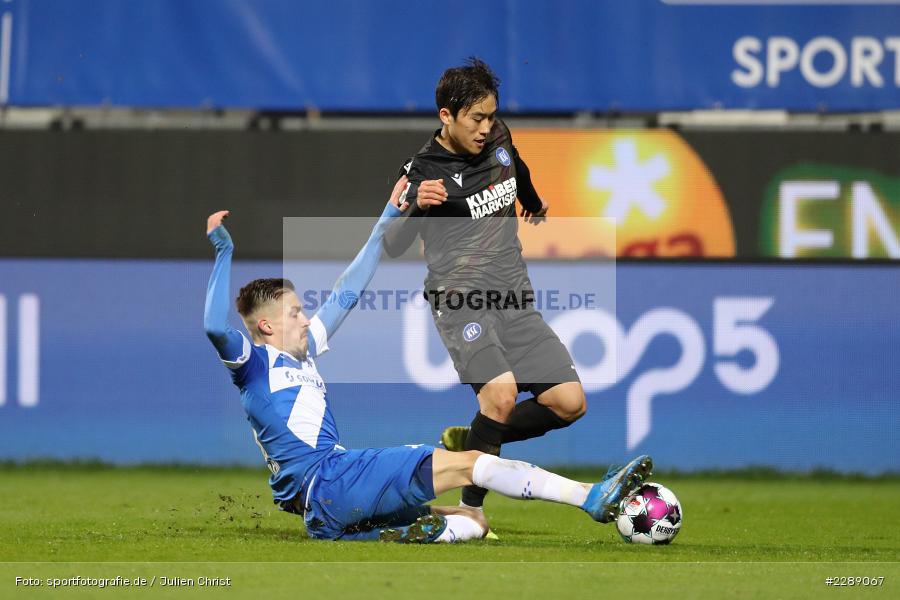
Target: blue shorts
[358, 492]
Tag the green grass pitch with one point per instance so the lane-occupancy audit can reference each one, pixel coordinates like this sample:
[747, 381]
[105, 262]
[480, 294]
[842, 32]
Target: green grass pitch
[745, 535]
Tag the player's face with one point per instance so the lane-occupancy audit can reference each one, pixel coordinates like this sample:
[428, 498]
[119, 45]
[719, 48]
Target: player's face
[293, 327]
[468, 131]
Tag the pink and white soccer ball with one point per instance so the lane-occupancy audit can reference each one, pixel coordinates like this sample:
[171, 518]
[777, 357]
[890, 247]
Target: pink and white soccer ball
[652, 515]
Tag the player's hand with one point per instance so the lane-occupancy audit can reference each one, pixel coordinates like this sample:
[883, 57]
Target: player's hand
[431, 193]
[398, 194]
[215, 220]
[538, 217]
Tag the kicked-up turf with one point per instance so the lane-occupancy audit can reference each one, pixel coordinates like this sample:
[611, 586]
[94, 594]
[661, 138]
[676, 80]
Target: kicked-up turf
[744, 536]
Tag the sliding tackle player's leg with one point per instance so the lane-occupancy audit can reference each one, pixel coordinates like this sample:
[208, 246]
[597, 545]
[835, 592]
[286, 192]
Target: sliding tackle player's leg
[525, 481]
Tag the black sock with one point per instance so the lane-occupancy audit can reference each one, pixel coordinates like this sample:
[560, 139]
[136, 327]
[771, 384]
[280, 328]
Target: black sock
[531, 419]
[487, 435]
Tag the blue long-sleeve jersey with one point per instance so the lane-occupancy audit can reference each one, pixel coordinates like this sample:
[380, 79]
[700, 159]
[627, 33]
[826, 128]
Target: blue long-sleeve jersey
[285, 398]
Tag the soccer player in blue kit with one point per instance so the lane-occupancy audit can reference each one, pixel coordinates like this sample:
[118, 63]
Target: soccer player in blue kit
[366, 494]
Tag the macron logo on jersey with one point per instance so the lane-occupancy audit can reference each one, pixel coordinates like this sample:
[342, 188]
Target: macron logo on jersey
[457, 178]
[492, 199]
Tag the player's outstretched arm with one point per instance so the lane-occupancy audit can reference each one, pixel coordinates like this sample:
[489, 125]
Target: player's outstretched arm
[353, 281]
[229, 342]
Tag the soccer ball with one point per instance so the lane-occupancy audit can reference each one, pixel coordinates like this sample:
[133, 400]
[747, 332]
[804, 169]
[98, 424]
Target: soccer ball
[652, 515]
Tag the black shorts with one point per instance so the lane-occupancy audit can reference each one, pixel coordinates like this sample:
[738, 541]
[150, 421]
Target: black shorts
[485, 343]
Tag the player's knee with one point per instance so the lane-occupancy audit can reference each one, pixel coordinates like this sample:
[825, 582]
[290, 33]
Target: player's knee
[570, 406]
[498, 401]
[579, 409]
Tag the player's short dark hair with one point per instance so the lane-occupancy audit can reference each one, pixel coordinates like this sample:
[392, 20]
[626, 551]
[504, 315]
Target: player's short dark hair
[259, 291]
[461, 87]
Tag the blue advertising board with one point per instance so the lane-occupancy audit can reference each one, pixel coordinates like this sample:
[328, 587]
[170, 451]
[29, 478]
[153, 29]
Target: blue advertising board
[719, 366]
[386, 55]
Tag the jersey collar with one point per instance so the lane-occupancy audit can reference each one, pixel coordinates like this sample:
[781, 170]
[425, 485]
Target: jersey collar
[273, 354]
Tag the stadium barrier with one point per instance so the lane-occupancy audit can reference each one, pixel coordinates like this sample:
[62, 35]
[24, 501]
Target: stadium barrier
[335, 55]
[725, 194]
[720, 366]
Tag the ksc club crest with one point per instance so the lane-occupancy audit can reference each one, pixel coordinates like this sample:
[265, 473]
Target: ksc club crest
[623, 193]
[503, 157]
[471, 332]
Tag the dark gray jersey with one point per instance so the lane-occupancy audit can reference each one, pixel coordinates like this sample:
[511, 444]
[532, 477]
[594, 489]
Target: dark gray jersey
[478, 246]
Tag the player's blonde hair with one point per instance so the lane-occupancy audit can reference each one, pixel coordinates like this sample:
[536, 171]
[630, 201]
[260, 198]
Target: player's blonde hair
[259, 292]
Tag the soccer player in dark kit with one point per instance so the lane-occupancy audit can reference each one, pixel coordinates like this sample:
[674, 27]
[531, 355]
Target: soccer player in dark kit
[504, 347]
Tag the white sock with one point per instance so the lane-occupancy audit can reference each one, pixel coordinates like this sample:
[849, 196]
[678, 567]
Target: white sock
[518, 479]
[464, 505]
[460, 528]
